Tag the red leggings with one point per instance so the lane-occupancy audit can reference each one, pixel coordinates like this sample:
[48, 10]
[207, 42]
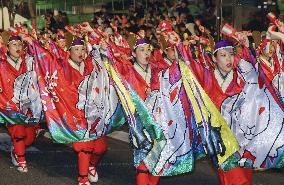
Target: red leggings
[21, 136]
[89, 154]
[143, 177]
[236, 176]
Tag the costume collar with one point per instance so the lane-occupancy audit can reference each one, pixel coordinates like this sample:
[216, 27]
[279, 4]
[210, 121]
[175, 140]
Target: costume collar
[146, 74]
[16, 64]
[223, 82]
[79, 68]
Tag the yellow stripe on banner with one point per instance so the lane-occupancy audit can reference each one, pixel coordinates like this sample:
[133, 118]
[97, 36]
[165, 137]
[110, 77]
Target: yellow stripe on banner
[197, 113]
[203, 109]
[200, 110]
[121, 90]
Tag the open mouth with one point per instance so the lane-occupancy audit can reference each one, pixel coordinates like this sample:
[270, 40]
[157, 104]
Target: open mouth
[229, 65]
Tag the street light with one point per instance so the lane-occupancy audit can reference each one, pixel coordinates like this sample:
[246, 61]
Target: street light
[112, 3]
[219, 18]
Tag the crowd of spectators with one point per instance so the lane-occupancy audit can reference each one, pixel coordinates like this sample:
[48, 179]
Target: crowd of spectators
[183, 15]
[55, 21]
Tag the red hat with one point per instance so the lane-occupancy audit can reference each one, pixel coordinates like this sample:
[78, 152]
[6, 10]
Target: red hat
[165, 26]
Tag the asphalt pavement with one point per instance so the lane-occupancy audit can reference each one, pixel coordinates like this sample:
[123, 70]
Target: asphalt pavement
[56, 164]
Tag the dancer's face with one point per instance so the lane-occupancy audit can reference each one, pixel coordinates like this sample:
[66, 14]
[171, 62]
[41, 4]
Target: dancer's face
[77, 53]
[142, 54]
[15, 49]
[224, 59]
[171, 54]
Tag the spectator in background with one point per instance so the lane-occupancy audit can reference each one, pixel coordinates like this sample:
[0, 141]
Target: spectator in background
[190, 25]
[181, 29]
[173, 9]
[182, 17]
[183, 8]
[208, 3]
[256, 23]
[65, 18]
[61, 22]
[210, 19]
[98, 18]
[122, 20]
[51, 24]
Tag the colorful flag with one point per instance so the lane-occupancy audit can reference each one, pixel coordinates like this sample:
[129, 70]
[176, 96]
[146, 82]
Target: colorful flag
[145, 134]
[171, 109]
[257, 121]
[20, 102]
[218, 140]
[81, 112]
[166, 132]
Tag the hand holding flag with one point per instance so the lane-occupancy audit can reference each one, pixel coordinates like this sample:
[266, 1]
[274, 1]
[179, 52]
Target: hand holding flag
[275, 35]
[74, 30]
[273, 19]
[85, 27]
[240, 36]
